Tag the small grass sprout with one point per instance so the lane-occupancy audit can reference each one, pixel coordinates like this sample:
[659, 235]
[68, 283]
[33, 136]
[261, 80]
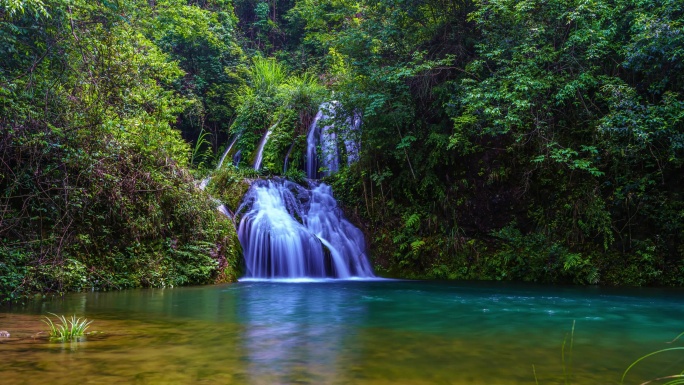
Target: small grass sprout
[66, 329]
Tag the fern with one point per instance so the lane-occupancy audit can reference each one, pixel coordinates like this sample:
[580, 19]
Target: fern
[412, 221]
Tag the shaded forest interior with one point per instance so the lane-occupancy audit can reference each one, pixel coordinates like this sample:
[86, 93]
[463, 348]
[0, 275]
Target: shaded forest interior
[501, 139]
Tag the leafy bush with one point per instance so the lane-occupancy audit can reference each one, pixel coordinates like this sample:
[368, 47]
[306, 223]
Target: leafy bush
[94, 181]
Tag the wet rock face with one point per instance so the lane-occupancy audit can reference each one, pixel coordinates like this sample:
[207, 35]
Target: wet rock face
[4, 334]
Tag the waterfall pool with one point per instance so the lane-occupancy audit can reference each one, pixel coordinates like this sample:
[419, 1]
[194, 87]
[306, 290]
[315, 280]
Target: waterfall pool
[350, 332]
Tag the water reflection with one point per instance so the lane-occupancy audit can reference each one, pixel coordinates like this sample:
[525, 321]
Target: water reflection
[347, 333]
[298, 332]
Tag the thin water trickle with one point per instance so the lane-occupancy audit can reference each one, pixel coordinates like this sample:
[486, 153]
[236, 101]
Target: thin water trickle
[262, 144]
[203, 184]
[225, 153]
[311, 142]
[322, 136]
[287, 158]
[351, 143]
[224, 210]
[237, 158]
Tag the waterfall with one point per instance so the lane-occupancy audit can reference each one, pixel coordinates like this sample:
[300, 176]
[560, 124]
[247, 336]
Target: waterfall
[237, 157]
[224, 210]
[262, 144]
[324, 135]
[225, 153]
[311, 143]
[203, 184]
[260, 151]
[329, 150]
[288, 231]
[350, 142]
[287, 158]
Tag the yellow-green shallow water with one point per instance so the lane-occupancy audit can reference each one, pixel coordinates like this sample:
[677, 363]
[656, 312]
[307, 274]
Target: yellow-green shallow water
[351, 332]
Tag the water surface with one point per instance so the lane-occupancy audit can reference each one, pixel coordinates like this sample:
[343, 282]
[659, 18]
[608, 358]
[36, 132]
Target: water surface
[349, 332]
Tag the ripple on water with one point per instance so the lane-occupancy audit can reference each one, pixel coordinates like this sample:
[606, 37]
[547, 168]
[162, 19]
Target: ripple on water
[344, 333]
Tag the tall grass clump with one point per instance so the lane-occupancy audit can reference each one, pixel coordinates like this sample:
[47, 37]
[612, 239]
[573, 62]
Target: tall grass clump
[66, 329]
[274, 99]
[303, 91]
[267, 75]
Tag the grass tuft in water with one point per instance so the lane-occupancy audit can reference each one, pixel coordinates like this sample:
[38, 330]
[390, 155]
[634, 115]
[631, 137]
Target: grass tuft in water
[675, 379]
[566, 363]
[66, 329]
[567, 366]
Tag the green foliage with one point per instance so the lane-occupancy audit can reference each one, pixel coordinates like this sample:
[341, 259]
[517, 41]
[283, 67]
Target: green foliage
[201, 153]
[229, 185]
[261, 23]
[532, 258]
[201, 38]
[17, 8]
[266, 75]
[94, 184]
[295, 175]
[563, 118]
[66, 330]
[501, 139]
[282, 103]
[13, 272]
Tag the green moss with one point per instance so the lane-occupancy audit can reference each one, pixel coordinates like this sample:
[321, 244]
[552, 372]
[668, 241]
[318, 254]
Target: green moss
[229, 185]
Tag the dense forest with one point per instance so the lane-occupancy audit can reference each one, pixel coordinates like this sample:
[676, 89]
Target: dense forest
[535, 140]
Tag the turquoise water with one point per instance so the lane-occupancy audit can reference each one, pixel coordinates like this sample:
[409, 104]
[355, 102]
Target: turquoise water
[350, 332]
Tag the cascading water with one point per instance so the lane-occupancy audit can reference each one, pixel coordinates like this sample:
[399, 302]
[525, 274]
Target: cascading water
[289, 231]
[324, 135]
[287, 157]
[350, 141]
[311, 143]
[329, 151]
[237, 157]
[224, 210]
[203, 184]
[225, 153]
[262, 144]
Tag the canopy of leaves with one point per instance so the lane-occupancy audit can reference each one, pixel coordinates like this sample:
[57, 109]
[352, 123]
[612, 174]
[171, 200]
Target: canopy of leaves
[539, 140]
[560, 120]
